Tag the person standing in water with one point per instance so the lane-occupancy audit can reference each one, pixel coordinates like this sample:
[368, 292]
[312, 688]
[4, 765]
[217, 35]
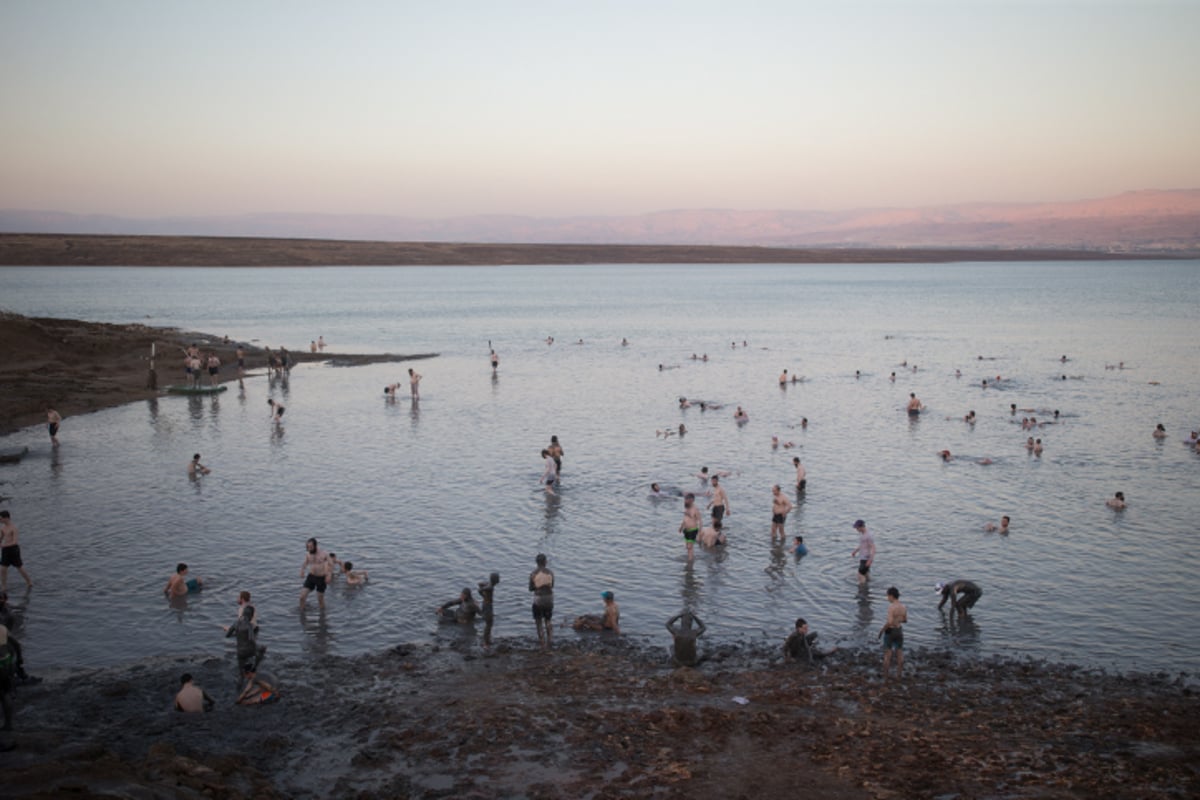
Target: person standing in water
[486, 590]
[541, 583]
[495, 361]
[865, 551]
[10, 552]
[195, 468]
[240, 354]
[780, 507]
[317, 568]
[690, 527]
[53, 420]
[556, 452]
[893, 632]
[414, 383]
[249, 651]
[914, 405]
[720, 501]
[801, 474]
[685, 636]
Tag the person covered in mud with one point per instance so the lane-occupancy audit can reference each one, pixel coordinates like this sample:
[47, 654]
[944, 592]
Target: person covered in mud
[610, 620]
[461, 611]
[541, 583]
[801, 644]
[191, 698]
[259, 689]
[681, 628]
[962, 594]
[486, 590]
[249, 651]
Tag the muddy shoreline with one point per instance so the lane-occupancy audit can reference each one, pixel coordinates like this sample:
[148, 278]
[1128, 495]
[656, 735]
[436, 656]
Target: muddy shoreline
[77, 367]
[602, 717]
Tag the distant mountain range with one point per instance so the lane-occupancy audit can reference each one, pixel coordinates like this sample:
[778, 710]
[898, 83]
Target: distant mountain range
[1150, 221]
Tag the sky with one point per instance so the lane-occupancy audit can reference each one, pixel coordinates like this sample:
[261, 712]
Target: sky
[611, 107]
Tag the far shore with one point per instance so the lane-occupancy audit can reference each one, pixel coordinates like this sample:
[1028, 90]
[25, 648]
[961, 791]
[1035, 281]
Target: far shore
[76, 367]
[20, 249]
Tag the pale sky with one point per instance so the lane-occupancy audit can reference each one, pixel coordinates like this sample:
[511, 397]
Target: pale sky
[453, 107]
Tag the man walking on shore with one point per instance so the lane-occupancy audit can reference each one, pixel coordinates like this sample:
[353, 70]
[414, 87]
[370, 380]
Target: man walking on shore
[541, 583]
[10, 552]
[53, 420]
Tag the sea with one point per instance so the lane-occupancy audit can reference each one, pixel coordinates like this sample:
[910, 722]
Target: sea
[430, 496]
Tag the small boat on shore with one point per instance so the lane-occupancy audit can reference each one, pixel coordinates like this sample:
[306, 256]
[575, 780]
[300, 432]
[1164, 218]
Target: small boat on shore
[13, 455]
[195, 389]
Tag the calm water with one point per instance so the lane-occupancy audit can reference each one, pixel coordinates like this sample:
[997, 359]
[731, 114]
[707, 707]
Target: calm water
[431, 497]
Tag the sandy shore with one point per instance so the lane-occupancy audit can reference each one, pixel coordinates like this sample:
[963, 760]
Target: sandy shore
[77, 367]
[18, 249]
[601, 718]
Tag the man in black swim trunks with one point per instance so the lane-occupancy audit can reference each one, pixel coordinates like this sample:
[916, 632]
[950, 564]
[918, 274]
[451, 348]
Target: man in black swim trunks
[10, 551]
[962, 594]
[541, 583]
[317, 565]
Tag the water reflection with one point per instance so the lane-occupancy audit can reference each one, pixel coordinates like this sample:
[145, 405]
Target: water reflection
[317, 636]
[865, 614]
[960, 629]
[690, 588]
[415, 411]
[55, 463]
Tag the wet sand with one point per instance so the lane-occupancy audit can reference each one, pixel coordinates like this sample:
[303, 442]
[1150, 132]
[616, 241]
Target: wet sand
[602, 718]
[20, 249]
[76, 367]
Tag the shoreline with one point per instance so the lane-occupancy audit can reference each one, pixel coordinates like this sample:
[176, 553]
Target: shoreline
[31, 250]
[602, 717]
[78, 367]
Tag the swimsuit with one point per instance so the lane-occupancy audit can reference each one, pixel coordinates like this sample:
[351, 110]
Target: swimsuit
[10, 556]
[53, 426]
[863, 567]
[777, 519]
[315, 582]
[689, 534]
[718, 513]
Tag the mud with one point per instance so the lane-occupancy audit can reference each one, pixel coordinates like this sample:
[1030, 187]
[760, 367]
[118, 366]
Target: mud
[604, 718]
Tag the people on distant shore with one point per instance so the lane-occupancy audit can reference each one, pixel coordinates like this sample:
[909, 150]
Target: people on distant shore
[865, 552]
[240, 355]
[685, 629]
[462, 610]
[180, 584]
[893, 632]
[214, 369]
[801, 644]
[780, 508]
[1116, 502]
[991, 527]
[962, 594]
[316, 571]
[610, 620]
[195, 468]
[320, 342]
[541, 583]
[10, 551]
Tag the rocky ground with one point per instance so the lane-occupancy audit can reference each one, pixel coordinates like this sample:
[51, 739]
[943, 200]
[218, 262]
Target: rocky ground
[602, 718]
[77, 367]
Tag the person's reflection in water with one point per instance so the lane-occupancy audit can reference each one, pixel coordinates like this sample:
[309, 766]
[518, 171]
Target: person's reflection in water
[152, 407]
[55, 463]
[415, 411]
[777, 568]
[690, 587]
[862, 621]
[316, 634]
[196, 408]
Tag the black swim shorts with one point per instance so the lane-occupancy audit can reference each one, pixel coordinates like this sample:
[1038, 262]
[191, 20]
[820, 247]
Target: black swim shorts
[800, 486]
[863, 567]
[777, 519]
[315, 582]
[11, 556]
[543, 610]
[53, 426]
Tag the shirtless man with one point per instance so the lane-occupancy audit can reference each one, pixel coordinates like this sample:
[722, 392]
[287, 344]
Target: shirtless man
[191, 698]
[914, 405]
[312, 346]
[865, 551]
[414, 383]
[740, 415]
[610, 620]
[556, 452]
[487, 590]
[712, 535]
[195, 468]
[180, 584]
[801, 475]
[10, 552]
[893, 633]
[1116, 502]
[240, 354]
[685, 637]
[214, 369]
[1159, 432]
[461, 611]
[720, 501]
[316, 565]
[690, 527]
[549, 472]
[53, 420]
[783, 378]
[541, 583]
[320, 342]
[1001, 528]
[277, 410]
[780, 507]
[495, 361]
[962, 594]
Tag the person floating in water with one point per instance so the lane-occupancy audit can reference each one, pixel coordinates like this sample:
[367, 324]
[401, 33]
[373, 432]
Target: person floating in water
[780, 507]
[685, 636]
[962, 594]
[914, 405]
[893, 632]
[196, 468]
[1001, 528]
[1116, 502]
[462, 610]
[610, 620]
[180, 584]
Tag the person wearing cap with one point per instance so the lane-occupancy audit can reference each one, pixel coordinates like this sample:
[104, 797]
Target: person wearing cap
[865, 551]
[780, 507]
[486, 590]
[464, 609]
[541, 583]
[893, 633]
[962, 594]
[610, 620]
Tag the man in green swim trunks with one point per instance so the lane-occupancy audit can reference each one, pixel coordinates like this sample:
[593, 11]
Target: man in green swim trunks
[690, 527]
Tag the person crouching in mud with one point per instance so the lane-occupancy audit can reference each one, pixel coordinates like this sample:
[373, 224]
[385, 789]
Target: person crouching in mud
[461, 611]
[685, 636]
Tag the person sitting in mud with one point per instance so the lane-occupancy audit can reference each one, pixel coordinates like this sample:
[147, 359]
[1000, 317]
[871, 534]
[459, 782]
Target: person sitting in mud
[249, 651]
[801, 644]
[353, 578]
[180, 584]
[610, 620]
[191, 698]
[680, 626]
[962, 595]
[464, 609]
[258, 690]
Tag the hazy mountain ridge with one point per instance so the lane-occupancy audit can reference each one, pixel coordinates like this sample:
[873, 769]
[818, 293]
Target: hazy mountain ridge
[1140, 221]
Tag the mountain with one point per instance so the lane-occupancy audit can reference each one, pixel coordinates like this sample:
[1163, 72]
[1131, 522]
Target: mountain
[1166, 221]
